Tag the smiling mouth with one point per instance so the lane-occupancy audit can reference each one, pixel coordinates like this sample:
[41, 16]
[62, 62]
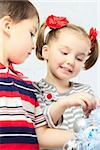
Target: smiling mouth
[66, 69]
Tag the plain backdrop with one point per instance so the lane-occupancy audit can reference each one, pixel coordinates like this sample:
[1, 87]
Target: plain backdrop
[85, 13]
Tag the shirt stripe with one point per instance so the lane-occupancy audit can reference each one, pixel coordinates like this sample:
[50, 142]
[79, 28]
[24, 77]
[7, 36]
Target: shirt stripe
[20, 113]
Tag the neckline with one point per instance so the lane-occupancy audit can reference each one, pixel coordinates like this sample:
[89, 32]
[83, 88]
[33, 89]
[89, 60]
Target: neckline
[11, 67]
[53, 87]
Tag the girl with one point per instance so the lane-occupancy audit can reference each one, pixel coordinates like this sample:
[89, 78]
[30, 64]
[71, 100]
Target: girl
[22, 123]
[67, 48]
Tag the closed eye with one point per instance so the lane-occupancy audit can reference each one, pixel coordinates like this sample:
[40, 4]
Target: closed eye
[64, 53]
[80, 59]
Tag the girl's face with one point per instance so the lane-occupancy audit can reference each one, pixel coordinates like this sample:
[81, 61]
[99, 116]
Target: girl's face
[20, 41]
[66, 55]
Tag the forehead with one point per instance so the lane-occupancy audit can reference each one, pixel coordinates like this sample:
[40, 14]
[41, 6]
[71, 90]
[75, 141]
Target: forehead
[72, 35]
[74, 40]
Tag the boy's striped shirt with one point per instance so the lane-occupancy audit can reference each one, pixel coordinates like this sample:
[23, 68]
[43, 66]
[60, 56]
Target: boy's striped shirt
[20, 112]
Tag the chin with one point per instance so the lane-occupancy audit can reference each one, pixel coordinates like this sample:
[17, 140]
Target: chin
[18, 62]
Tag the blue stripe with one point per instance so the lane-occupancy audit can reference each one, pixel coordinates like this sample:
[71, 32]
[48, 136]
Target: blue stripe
[13, 88]
[19, 130]
[20, 82]
[18, 139]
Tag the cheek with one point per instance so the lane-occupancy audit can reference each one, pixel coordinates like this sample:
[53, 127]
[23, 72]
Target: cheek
[18, 58]
[78, 67]
[53, 61]
[14, 58]
[26, 40]
[56, 56]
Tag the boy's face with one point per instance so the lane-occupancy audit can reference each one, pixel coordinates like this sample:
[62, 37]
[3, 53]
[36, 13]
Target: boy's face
[21, 40]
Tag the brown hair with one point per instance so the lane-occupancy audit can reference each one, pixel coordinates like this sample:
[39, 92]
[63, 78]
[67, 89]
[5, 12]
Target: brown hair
[53, 34]
[17, 9]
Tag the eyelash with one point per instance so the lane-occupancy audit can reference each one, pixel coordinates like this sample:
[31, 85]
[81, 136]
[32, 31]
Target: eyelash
[64, 53]
[79, 59]
[32, 35]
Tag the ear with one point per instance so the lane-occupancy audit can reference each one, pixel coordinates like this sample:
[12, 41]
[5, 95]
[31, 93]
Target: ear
[45, 52]
[6, 22]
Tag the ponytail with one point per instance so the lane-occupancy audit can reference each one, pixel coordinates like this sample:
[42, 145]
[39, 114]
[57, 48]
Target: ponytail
[40, 41]
[94, 50]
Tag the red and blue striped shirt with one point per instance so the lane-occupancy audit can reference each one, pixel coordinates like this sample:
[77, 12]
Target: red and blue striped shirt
[20, 112]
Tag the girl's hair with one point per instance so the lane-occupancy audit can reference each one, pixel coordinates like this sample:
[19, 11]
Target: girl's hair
[54, 34]
[17, 9]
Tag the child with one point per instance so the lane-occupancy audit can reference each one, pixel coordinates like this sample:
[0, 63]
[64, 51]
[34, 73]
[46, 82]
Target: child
[21, 119]
[66, 48]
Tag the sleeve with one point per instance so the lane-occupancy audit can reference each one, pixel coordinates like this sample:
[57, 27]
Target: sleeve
[45, 107]
[48, 117]
[80, 87]
[39, 117]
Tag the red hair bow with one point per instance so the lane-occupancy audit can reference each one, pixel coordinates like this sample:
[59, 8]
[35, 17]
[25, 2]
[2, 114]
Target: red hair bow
[92, 34]
[55, 22]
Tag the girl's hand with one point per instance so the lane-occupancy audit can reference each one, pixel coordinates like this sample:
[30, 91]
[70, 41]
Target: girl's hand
[86, 100]
[83, 99]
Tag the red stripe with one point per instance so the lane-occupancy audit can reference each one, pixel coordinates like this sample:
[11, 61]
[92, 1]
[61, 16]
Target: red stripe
[31, 100]
[19, 147]
[14, 123]
[17, 94]
[37, 104]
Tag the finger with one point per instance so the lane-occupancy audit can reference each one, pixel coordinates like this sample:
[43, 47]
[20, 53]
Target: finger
[83, 105]
[94, 103]
[91, 103]
[87, 113]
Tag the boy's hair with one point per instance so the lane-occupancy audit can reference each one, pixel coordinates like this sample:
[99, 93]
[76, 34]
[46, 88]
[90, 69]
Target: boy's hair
[54, 34]
[17, 9]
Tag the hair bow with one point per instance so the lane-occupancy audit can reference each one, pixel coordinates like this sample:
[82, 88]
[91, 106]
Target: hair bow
[92, 34]
[55, 22]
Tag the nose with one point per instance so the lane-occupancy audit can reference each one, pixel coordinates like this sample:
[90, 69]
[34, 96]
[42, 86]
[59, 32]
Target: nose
[70, 59]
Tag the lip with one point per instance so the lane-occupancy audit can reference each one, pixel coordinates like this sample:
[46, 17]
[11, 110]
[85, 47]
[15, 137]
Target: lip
[67, 69]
